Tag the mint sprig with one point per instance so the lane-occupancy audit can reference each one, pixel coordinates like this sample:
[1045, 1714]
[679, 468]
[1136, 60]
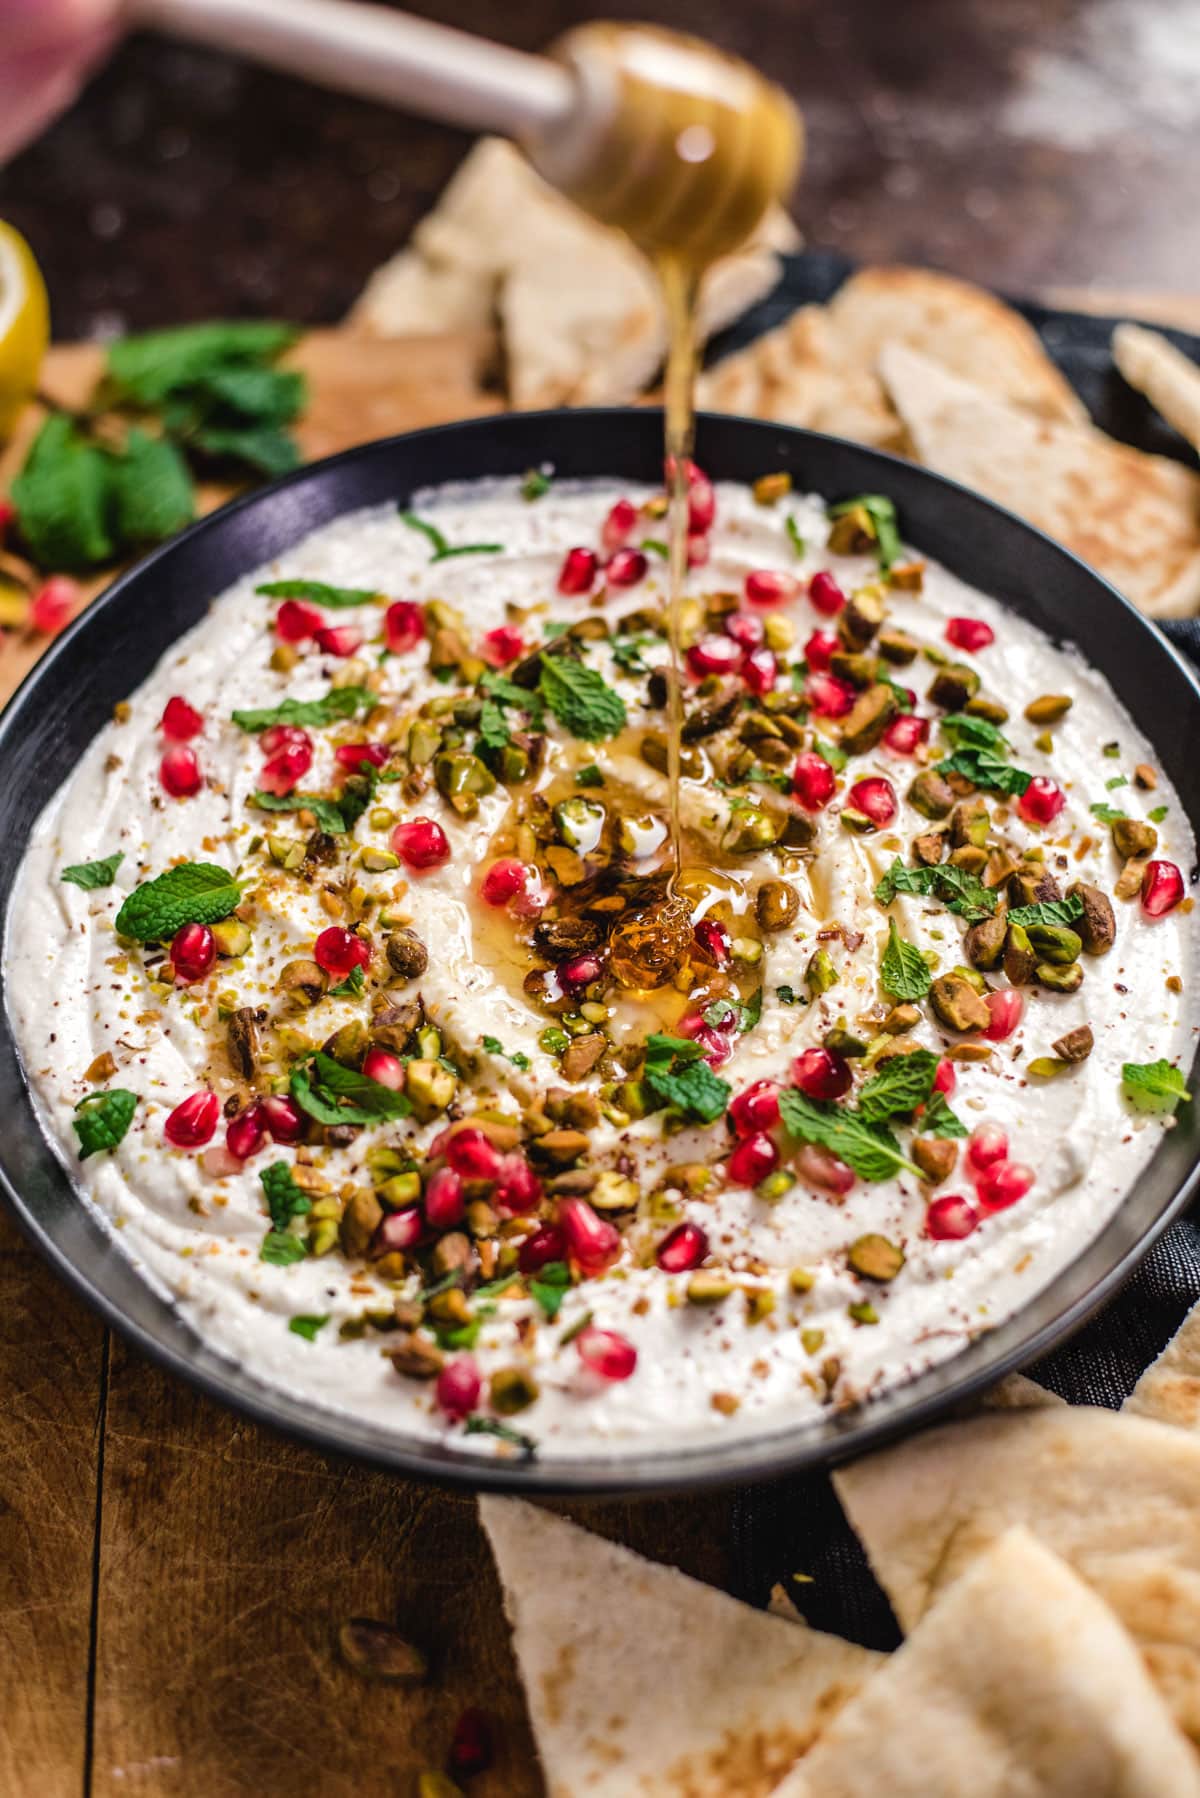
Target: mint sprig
[102, 1119]
[902, 1083]
[333, 1094]
[190, 893]
[676, 1072]
[443, 549]
[959, 891]
[318, 593]
[1048, 911]
[870, 1149]
[339, 702]
[581, 700]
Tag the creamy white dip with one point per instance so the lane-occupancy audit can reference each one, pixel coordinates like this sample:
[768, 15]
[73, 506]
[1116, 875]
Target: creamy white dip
[75, 993]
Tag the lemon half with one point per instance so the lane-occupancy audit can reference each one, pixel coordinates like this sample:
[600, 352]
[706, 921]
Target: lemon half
[24, 325]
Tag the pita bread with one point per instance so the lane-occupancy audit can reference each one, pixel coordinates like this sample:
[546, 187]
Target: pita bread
[643, 1683]
[1115, 1496]
[1168, 378]
[1170, 1387]
[1016, 1392]
[819, 369]
[1135, 518]
[580, 309]
[1020, 1681]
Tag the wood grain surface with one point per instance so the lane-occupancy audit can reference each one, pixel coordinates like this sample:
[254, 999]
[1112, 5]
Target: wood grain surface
[172, 1578]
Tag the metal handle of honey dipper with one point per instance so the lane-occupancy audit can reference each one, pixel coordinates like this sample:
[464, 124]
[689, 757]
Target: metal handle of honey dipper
[680, 145]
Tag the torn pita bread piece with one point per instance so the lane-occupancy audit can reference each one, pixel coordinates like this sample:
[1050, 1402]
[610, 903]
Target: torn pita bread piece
[1117, 1496]
[1170, 1387]
[580, 309]
[819, 369]
[1016, 1392]
[1169, 379]
[643, 1683]
[1134, 518]
[1018, 1681]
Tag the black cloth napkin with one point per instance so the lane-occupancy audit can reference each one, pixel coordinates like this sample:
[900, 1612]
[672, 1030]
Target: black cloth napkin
[797, 1526]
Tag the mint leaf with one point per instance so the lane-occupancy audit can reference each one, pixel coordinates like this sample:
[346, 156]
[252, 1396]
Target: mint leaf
[152, 492]
[441, 548]
[676, 1073]
[494, 1046]
[964, 731]
[960, 892]
[988, 770]
[627, 654]
[318, 593]
[101, 1120]
[267, 451]
[333, 1094]
[904, 970]
[1107, 814]
[280, 1248]
[551, 1287]
[1048, 911]
[794, 537]
[580, 699]
[264, 396]
[149, 367]
[589, 776]
[655, 546]
[351, 987]
[285, 1200]
[327, 812]
[90, 875]
[535, 485]
[339, 702]
[478, 1425]
[307, 1326]
[831, 753]
[191, 893]
[1153, 1086]
[882, 513]
[901, 1084]
[870, 1149]
[63, 497]
[786, 995]
[939, 1120]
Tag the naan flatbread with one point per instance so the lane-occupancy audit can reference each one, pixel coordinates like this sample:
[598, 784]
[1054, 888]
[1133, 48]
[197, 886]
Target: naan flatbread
[1118, 1497]
[1019, 1683]
[1170, 1387]
[643, 1683]
[1135, 518]
[1170, 381]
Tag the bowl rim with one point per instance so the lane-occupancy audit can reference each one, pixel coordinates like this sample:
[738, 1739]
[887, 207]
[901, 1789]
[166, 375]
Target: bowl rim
[1042, 1322]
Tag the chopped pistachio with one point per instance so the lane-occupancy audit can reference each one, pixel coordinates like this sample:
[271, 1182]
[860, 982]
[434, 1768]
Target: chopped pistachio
[873, 1257]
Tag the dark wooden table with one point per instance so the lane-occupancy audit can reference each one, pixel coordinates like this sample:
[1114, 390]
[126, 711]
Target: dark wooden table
[172, 1579]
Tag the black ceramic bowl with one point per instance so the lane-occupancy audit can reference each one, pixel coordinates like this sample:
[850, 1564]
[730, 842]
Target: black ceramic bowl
[114, 645]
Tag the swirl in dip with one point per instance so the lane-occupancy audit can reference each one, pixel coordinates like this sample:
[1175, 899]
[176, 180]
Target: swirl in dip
[399, 1133]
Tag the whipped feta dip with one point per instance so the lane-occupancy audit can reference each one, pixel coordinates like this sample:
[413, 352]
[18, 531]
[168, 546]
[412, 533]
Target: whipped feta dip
[469, 1011]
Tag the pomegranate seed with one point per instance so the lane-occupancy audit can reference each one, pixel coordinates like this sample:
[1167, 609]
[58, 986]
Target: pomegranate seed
[945, 1079]
[296, 623]
[625, 568]
[828, 695]
[421, 843]
[280, 773]
[470, 1745]
[699, 549]
[970, 634]
[745, 629]
[767, 587]
[353, 755]
[247, 1132]
[180, 720]
[193, 1121]
[820, 647]
[753, 1159]
[179, 771]
[591, 1241]
[537, 1251]
[501, 646]
[713, 940]
[682, 1249]
[1162, 888]
[986, 1145]
[1041, 801]
[1003, 1184]
[821, 1073]
[284, 736]
[760, 671]
[579, 971]
[399, 1232]
[503, 881]
[702, 500]
[619, 524]
[384, 1068]
[905, 734]
[716, 1042]
[612, 1356]
[339, 639]
[517, 1189]
[825, 594]
[443, 1202]
[820, 1167]
[458, 1386]
[193, 952]
[950, 1218]
[473, 1155]
[339, 952]
[812, 780]
[755, 1109]
[8, 514]
[1004, 1008]
[714, 654]
[875, 797]
[283, 1118]
[403, 626]
[578, 571]
[52, 605]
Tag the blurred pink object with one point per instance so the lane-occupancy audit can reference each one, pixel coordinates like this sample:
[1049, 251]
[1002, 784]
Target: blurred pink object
[47, 50]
